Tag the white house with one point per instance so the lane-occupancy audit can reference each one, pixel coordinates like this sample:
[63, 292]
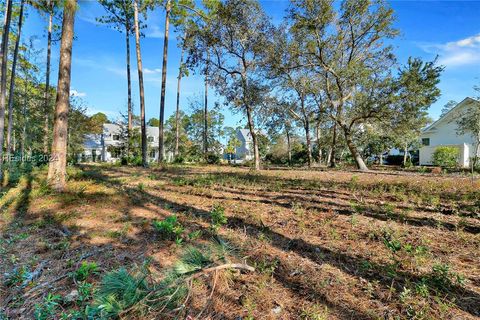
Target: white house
[245, 150]
[96, 146]
[443, 132]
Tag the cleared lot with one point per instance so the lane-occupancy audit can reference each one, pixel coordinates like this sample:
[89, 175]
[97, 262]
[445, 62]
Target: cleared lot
[325, 245]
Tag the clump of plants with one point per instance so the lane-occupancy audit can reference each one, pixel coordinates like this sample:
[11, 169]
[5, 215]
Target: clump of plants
[170, 228]
[129, 293]
[217, 217]
[85, 270]
[446, 156]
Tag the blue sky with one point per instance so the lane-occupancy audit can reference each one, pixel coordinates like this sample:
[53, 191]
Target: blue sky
[449, 29]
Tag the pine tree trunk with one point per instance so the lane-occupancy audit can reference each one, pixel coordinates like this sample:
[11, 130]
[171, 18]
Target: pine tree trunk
[47, 83]
[332, 155]
[177, 112]
[57, 169]
[12, 81]
[3, 78]
[129, 80]
[164, 84]
[256, 154]
[354, 151]
[205, 113]
[205, 120]
[140, 84]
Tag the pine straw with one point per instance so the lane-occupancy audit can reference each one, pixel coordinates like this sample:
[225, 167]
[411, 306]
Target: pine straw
[305, 233]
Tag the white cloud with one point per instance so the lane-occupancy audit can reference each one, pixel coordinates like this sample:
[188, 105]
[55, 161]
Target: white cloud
[463, 52]
[75, 93]
[152, 71]
[154, 31]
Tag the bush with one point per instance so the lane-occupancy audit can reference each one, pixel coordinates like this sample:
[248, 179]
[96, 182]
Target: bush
[212, 158]
[169, 228]
[85, 270]
[217, 217]
[179, 159]
[446, 156]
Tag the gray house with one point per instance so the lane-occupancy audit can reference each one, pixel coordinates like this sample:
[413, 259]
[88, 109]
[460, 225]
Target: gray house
[96, 146]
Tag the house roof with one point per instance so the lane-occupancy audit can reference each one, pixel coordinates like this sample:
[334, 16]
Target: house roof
[113, 128]
[245, 133]
[460, 105]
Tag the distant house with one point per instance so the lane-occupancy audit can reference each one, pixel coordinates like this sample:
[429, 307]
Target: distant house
[245, 150]
[96, 146]
[443, 132]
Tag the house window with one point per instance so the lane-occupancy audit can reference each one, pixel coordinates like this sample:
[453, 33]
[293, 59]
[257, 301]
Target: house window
[150, 139]
[116, 137]
[152, 154]
[425, 141]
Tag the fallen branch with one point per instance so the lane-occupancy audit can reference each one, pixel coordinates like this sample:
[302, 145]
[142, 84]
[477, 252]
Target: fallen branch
[33, 275]
[239, 266]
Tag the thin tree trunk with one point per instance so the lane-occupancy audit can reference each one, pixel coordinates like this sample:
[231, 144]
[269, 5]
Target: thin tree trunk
[289, 148]
[47, 82]
[309, 142]
[328, 156]
[354, 151]
[405, 154]
[177, 113]
[318, 143]
[58, 161]
[3, 78]
[164, 84]
[129, 80]
[332, 155]
[12, 80]
[140, 84]
[25, 120]
[306, 126]
[256, 154]
[205, 113]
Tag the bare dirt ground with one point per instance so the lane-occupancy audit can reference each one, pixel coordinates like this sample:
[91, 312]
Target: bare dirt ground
[324, 244]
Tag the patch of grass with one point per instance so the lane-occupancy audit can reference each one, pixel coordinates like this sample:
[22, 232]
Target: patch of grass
[267, 266]
[315, 312]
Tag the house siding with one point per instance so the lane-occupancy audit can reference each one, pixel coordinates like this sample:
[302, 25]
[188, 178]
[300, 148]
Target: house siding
[444, 133]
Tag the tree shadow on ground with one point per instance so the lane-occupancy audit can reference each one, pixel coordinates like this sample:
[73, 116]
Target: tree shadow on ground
[465, 299]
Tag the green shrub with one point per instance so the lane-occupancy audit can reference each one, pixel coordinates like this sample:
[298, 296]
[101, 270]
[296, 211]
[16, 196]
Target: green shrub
[169, 228]
[443, 278]
[179, 159]
[445, 156]
[85, 270]
[212, 158]
[48, 309]
[217, 217]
